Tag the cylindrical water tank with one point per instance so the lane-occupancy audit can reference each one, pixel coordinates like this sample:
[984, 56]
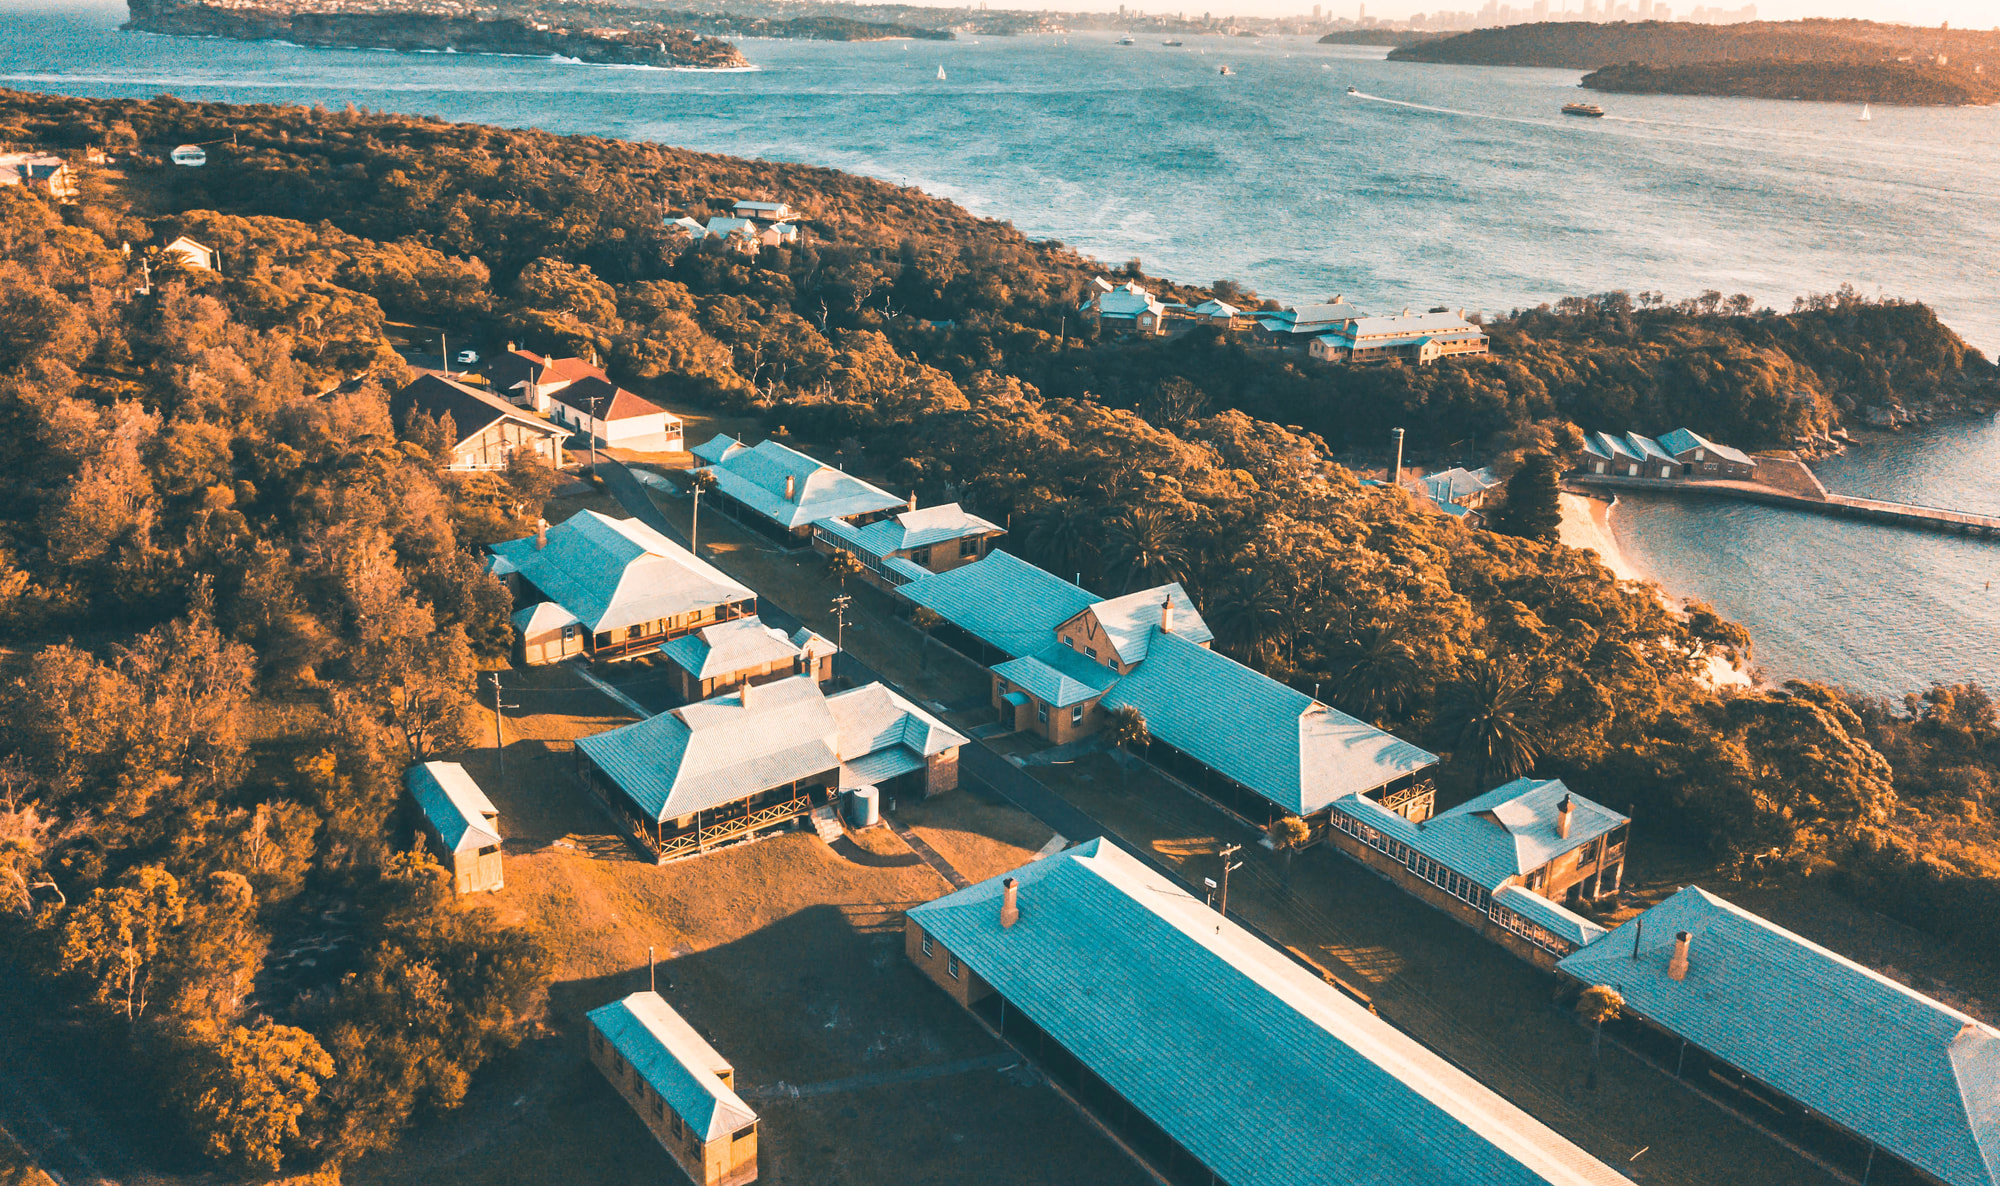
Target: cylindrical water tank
[864, 807]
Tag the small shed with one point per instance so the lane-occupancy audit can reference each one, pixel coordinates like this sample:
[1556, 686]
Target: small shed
[461, 822]
[679, 1085]
[546, 633]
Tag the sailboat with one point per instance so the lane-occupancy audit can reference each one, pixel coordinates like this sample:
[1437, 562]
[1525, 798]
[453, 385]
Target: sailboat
[1866, 114]
[940, 73]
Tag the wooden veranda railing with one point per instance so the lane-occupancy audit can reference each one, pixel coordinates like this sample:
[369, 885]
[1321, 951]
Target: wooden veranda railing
[707, 834]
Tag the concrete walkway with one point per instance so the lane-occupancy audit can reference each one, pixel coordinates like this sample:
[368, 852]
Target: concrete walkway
[985, 1062]
[931, 855]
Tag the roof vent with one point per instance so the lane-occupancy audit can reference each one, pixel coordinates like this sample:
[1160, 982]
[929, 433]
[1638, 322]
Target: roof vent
[1677, 967]
[1010, 903]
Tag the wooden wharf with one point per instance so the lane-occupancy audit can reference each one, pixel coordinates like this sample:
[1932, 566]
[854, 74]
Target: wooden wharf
[1841, 506]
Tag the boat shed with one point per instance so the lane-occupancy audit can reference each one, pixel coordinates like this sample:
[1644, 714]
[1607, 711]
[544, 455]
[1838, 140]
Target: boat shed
[1211, 1054]
[682, 1089]
[1882, 1081]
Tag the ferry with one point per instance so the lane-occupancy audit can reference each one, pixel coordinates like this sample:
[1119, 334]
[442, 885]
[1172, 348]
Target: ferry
[1354, 90]
[1587, 110]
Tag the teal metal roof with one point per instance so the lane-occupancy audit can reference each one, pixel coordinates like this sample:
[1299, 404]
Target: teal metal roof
[1278, 741]
[454, 805]
[728, 647]
[612, 573]
[679, 1065]
[1001, 600]
[1257, 1067]
[1058, 676]
[1131, 621]
[1681, 441]
[1916, 1077]
[756, 478]
[1506, 833]
[1553, 917]
[909, 530]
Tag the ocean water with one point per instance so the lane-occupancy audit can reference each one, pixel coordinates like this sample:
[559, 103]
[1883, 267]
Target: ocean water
[1433, 185]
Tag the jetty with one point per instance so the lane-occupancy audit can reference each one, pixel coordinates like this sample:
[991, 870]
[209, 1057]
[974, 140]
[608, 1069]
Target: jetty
[1800, 496]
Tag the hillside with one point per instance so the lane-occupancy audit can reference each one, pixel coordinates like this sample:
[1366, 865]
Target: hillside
[1781, 78]
[1584, 45]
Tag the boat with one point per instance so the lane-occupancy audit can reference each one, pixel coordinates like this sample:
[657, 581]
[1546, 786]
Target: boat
[1171, 44]
[1127, 40]
[1587, 110]
[1226, 71]
[1866, 114]
[1354, 90]
[940, 73]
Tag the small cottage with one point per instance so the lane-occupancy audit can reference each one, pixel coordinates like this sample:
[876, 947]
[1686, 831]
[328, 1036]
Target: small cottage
[745, 651]
[683, 1091]
[486, 432]
[460, 822]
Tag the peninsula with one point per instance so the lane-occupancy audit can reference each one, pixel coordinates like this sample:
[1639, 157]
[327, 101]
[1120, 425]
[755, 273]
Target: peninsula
[1821, 60]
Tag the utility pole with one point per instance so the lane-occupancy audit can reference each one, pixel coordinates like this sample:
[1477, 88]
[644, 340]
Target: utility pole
[499, 744]
[1396, 474]
[1227, 851]
[444, 353]
[591, 428]
[652, 972]
[840, 605]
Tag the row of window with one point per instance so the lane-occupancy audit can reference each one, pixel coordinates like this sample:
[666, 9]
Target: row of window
[1534, 933]
[1088, 652]
[1435, 872]
[950, 960]
[650, 1100]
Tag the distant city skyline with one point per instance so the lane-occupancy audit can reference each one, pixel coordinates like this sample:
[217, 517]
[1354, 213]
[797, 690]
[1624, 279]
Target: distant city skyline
[1971, 14]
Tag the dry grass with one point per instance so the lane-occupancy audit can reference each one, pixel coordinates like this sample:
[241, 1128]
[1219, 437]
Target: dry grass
[979, 835]
[1468, 999]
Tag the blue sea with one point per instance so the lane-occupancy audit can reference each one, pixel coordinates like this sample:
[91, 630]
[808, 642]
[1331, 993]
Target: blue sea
[1432, 185]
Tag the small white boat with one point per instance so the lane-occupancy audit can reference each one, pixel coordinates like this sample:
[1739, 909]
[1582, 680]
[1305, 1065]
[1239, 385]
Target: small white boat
[940, 73]
[1866, 114]
[1226, 72]
[1128, 39]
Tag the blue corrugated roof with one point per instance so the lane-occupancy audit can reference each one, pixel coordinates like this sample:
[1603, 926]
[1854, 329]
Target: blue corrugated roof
[1918, 1078]
[679, 1065]
[1001, 600]
[1276, 740]
[1258, 1068]
[1558, 920]
[1508, 832]
[1057, 676]
[1682, 440]
[454, 805]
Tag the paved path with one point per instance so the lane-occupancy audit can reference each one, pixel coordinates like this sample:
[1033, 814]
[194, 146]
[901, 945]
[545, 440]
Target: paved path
[582, 669]
[931, 855]
[985, 1062]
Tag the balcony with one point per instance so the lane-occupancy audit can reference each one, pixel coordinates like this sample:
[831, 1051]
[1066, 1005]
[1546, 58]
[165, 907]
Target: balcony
[713, 832]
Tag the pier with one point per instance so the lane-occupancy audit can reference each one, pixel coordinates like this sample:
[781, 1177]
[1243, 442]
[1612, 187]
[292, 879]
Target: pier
[1821, 502]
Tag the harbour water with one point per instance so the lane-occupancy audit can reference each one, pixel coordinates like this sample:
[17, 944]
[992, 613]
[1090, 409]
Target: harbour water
[1435, 185]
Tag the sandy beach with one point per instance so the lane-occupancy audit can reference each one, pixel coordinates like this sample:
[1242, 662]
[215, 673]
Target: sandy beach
[1586, 524]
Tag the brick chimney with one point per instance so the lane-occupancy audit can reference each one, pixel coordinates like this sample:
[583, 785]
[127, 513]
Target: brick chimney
[1010, 903]
[1677, 967]
[1167, 615]
[541, 534]
[791, 487]
[1564, 811]
[913, 500]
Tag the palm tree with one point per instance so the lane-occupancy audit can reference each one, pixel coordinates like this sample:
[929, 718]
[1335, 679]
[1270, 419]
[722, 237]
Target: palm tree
[1249, 616]
[926, 619]
[1063, 536]
[1491, 719]
[1376, 673]
[700, 482]
[1598, 1004]
[1288, 834]
[1146, 545]
[1127, 731]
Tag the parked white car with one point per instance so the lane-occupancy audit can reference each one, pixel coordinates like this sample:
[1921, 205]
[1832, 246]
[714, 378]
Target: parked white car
[466, 358]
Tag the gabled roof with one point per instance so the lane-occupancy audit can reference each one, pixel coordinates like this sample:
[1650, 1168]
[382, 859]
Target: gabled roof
[517, 368]
[756, 478]
[1261, 1070]
[1410, 325]
[1507, 832]
[811, 645]
[872, 719]
[1309, 319]
[679, 1065]
[1918, 1078]
[908, 530]
[1646, 448]
[541, 616]
[614, 402]
[1058, 676]
[471, 411]
[1456, 483]
[1215, 308]
[727, 647]
[454, 805]
[618, 572]
[1130, 622]
[717, 447]
[1279, 742]
[1553, 917]
[1611, 448]
[1127, 300]
[1681, 441]
[1001, 600]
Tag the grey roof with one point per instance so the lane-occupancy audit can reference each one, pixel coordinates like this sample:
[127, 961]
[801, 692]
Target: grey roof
[1280, 742]
[754, 739]
[454, 805]
[1681, 441]
[1554, 917]
[1646, 448]
[678, 1063]
[717, 447]
[541, 617]
[1453, 484]
[1310, 319]
[1261, 1070]
[1506, 833]
[470, 409]
[1916, 1077]
[618, 572]
[1131, 621]
[1001, 600]
[756, 478]
[727, 647]
[1058, 676]
[914, 529]
[1611, 448]
[1412, 325]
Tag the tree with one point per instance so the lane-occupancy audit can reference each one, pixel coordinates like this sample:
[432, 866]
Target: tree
[1598, 1004]
[1288, 834]
[246, 1093]
[700, 482]
[1146, 545]
[926, 620]
[115, 938]
[1377, 673]
[841, 564]
[1491, 719]
[1534, 500]
[1126, 732]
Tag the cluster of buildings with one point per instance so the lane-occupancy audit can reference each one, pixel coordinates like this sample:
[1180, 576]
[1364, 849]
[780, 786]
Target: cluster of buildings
[1493, 14]
[754, 225]
[1335, 332]
[536, 406]
[41, 172]
[1678, 454]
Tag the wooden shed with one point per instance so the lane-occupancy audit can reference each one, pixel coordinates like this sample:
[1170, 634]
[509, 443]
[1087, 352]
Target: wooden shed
[681, 1088]
[461, 823]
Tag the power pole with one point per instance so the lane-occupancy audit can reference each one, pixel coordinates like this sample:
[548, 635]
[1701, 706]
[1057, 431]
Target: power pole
[840, 605]
[499, 744]
[444, 353]
[1396, 474]
[1227, 851]
[694, 531]
[591, 429]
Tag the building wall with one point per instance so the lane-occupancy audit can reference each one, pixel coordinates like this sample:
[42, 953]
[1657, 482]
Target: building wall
[474, 872]
[941, 774]
[946, 556]
[724, 1161]
[939, 964]
[492, 447]
[663, 629]
[1062, 724]
[550, 646]
[692, 689]
[1084, 635]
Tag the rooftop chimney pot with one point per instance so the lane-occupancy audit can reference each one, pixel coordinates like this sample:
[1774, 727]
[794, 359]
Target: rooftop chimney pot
[791, 487]
[913, 500]
[1010, 903]
[1565, 810]
[541, 534]
[1677, 967]
[1167, 615]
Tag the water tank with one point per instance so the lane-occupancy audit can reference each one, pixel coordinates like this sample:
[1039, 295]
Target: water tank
[864, 807]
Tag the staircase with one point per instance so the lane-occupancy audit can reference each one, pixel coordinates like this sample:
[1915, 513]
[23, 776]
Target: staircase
[826, 821]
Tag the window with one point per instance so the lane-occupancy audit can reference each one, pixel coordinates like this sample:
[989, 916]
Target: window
[569, 631]
[1000, 684]
[969, 546]
[602, 640]
[927, 943]
[632, 632]
[951, 965]
[1069, 642]
[1042, 713]
[1076, 715]
[1090, 652]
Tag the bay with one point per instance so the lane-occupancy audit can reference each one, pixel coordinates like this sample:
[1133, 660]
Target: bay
[1460, 186]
